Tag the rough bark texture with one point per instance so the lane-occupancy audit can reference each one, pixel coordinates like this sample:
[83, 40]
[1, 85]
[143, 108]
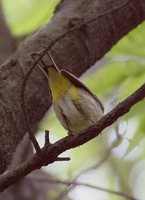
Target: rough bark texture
[50, 152]
[76, 52]
[29, 188]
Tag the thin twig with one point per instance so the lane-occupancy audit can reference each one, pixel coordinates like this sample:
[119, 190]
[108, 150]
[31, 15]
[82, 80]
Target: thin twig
[122, 194]
[31, 136]
[93, 167]
[43, 52]
[51, 152]
[63, 159]
[47, 140]
[27, 121]
[68, 183]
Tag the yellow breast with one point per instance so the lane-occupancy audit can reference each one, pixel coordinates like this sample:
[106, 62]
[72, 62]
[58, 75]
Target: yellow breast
[60, 85]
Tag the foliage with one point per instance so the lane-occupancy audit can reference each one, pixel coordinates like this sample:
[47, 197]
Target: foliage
[28, 15]
[122, 72]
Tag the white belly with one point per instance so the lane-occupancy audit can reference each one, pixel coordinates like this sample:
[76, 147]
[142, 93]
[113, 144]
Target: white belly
[76, 117]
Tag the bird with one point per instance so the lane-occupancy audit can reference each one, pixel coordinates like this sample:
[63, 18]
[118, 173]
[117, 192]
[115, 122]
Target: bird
[75, 105]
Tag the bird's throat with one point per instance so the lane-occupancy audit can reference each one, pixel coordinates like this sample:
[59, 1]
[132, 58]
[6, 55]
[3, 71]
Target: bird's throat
[59, 85]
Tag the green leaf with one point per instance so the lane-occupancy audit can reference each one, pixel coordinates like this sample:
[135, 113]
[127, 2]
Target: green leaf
[132, 44]
[114, 74]
[131, 85]
[26, 16]
[139, 134]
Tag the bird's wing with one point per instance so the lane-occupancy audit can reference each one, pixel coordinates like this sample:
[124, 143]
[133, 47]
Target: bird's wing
[78, 83]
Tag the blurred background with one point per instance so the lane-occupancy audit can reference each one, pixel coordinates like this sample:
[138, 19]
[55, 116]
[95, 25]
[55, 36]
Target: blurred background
[115, 159]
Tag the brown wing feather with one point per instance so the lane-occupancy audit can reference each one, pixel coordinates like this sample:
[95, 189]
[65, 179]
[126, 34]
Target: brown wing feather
[78, 83]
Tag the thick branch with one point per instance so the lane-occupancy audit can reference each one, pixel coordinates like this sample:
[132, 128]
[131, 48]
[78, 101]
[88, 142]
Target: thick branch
[51, 152]
[76, 52]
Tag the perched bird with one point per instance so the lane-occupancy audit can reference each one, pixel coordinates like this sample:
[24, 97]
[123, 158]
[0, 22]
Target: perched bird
[76, 107]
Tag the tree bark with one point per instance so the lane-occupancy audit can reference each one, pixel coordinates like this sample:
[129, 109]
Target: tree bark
[76, 52]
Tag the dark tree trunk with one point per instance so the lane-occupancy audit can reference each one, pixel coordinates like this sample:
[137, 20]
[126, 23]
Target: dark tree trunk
[76, 52]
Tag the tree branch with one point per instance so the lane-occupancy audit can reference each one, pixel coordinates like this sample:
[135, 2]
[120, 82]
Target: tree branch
[76, 52]
[95, 166]
[76, 183]
[50, 152]
[118, 193]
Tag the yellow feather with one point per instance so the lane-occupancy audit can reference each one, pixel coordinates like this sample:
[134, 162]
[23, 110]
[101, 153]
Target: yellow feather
[60, 85]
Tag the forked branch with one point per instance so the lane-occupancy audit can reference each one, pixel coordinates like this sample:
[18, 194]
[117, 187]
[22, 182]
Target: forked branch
[51, 152]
